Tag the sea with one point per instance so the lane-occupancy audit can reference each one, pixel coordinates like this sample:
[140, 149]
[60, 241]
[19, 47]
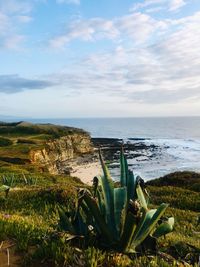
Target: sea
[177, 140]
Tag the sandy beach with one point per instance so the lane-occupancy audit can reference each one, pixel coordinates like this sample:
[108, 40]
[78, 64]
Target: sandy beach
[87, 171]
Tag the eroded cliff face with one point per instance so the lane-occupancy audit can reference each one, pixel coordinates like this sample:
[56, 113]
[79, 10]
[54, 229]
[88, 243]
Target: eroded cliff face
[56, 153]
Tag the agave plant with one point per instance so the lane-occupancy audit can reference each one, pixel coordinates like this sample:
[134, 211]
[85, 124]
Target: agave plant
[118, 215]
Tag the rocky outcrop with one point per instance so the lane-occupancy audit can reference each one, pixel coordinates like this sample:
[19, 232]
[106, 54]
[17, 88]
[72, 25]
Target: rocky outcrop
[57, 152]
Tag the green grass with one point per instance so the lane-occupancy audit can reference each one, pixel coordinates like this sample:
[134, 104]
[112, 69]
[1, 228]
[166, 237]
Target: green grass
[177, 197]
[30, 212]
[30, 216]
[27, 129]
[5, 142]
[186, 179]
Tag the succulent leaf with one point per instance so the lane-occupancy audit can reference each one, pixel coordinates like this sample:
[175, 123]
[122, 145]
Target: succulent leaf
[131, 186]
[149, 225]
[94, 209]
[123, 168]
[141, 197]
[128, 232]
[107, 186]
[164, 228]
[120, 199]
[65, 222]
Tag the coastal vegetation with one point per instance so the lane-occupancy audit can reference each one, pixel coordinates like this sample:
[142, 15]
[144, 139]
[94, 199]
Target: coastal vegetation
[117, 217]
[34, 233]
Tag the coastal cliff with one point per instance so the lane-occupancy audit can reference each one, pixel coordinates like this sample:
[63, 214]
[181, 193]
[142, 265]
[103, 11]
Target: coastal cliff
[41, 147]
[56, 152]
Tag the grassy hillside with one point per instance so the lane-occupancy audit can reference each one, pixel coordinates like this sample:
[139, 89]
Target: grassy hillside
[29, 215]
[29, 218]
[181, 191]
[30, 130]
[187, 180]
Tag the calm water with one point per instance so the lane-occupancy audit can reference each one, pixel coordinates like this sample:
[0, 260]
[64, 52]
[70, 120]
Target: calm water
[178, 140]
[181, 128]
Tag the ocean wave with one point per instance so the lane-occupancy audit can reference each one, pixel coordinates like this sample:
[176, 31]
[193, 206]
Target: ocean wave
[171, 155]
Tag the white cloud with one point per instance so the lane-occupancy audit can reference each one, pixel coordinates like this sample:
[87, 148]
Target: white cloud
[167, 71]
[12, 14]
[157, 5]
[4, 23]
[166, 66]
[145, 4]
[24, 18]
[16, 6]
[13, 41]
[86, 30]
[176, 4]
[154, 9]
[137, 26]
[76, 2]
[155, 60]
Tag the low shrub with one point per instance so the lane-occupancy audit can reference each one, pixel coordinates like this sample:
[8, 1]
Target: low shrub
[5, 142]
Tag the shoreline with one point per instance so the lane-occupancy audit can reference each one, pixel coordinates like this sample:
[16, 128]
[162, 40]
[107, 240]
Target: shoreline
[147, 159]
[86, 171]
[87, 166]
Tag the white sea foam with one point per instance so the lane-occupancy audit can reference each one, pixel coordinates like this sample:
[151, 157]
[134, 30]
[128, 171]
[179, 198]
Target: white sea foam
[171, 155]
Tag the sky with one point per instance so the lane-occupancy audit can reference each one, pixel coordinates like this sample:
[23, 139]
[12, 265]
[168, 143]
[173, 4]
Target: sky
[99, 58]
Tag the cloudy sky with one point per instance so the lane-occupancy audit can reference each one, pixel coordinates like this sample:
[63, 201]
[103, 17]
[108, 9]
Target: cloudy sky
[99, 58]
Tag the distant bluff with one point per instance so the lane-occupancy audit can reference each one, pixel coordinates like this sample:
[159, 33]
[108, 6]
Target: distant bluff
[43, 147]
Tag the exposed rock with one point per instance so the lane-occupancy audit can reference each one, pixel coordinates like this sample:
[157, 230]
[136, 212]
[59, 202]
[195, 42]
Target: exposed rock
[56, 152]
[110, 148]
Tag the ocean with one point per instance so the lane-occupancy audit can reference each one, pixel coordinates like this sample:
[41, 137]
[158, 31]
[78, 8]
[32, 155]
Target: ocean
[177, 139]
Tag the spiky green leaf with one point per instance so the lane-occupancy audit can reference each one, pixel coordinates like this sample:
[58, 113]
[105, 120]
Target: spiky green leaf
[107, 186]
[149, 225]
[128, 232]
[101, 203]
[120, 199]
[164, 228]
[131, 186]
[65, 222]
[141, 197]
[143, 223]
[123, 168]
[101, 224]
[79, 225]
